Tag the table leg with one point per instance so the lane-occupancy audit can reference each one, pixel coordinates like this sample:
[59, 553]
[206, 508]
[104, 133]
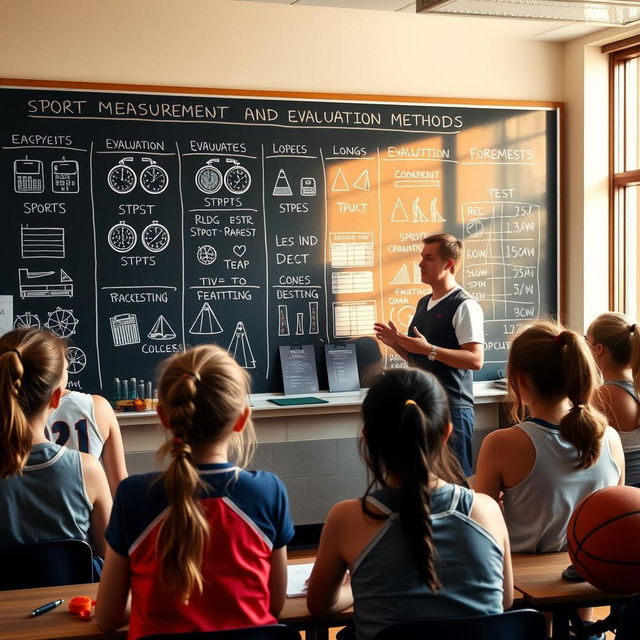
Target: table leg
[560, 625]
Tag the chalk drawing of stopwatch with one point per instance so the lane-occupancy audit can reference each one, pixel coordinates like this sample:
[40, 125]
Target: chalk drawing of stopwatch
[122, 237]
[155, 237]
[237, 179]
[153, 178]
[209, 178]
[122, 178]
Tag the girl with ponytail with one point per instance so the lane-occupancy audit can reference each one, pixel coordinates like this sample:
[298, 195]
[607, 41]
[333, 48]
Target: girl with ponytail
[202, 546]
[47, 492]
[417, 544]
[615, 344]
[561, 451]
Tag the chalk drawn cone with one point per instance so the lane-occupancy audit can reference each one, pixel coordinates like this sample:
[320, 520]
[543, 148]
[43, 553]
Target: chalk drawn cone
[206, 323]
[240, 348]
[161, 330]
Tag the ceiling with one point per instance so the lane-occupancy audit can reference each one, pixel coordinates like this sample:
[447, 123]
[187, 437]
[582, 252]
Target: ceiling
[546, 30]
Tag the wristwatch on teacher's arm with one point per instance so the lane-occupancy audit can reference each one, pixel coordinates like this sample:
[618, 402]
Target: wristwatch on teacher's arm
[432, 354]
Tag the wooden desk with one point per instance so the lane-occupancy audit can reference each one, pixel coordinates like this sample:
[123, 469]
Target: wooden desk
[539, 578]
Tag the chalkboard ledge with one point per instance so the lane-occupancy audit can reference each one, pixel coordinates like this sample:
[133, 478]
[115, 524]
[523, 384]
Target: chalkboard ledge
[344, 402]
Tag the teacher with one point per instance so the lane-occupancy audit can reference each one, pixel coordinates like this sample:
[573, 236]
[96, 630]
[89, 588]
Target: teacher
[445, 337]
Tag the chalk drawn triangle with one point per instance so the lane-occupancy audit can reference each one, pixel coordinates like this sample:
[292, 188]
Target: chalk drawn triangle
[161, 330]
[240, 348]
[362, 181]
[282, 186]
[399, 212]
[206, 323]
[402, 276]
[340, 182]
[64, 277]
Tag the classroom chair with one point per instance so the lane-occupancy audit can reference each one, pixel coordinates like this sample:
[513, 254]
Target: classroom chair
[267, 632]
[45, 564]
[524, 624]
[629, 623]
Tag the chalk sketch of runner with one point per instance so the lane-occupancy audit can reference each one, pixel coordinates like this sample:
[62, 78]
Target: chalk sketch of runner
[362, 181]
[42, 242]
[161, 330]
[314, 325]
[62, 322]
[399, 213]
[27, 320]
[283, 320]
[206, 254]
[76, 360]
[417, 212]
[282, 186]
[240, 348]
[340, 182]
[206, 322]
[435, 214]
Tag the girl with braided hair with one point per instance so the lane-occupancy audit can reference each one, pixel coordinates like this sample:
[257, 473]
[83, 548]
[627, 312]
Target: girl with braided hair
[562, 449]
[47, 492]
[421, 544]
[615, 344]
[202, 546]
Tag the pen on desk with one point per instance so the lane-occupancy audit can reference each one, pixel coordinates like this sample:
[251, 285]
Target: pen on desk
[46, 607]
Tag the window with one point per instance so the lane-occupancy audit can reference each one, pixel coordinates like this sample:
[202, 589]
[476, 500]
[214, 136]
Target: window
[624, 294]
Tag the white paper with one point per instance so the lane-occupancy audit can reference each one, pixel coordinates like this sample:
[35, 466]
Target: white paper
[297, 576]
[6, 314]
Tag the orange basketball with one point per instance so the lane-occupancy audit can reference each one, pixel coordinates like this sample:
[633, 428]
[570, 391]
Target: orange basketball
[604, 539]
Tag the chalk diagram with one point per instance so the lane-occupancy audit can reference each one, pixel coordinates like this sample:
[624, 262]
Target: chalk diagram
[314, 325]
[308, 187]
[351, 249]
[239, 249]
[161, 330]
[362, 182]
[124, 329]
[62, 322]
[44, 284]
[209, 177]
[435, 214]
[155, 237]
[154, 179]
[283, 320]
[404, 276]
[299, 323]
[240, 348]
[353, 318]
[206, 322]
[399, 213]
[28, 176]
[42, 242]
[475, 228]
[76, 360]
[206, 254]
[64, 176]
[282, 186]
[417, 213]
[352, 281]
[402, 316]
[237, 179]
[27, 320]
[121, 177]
[122, 237]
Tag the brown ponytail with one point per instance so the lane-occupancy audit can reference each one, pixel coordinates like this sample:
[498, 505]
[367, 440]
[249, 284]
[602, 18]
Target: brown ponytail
[203, 392]
[31, 367]
[406, 418]
[560, 365]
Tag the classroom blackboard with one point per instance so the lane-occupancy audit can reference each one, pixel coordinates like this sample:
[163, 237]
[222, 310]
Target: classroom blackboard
[140, 220]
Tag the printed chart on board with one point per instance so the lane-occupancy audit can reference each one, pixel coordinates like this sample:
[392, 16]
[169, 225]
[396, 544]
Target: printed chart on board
[140, 223]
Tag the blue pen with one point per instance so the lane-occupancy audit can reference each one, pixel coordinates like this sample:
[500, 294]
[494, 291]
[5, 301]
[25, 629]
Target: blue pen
[46, 607]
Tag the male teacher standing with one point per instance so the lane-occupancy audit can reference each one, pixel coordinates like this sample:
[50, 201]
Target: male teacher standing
[445, 337]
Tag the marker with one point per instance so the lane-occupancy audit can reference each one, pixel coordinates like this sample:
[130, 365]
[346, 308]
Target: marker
[46, 607]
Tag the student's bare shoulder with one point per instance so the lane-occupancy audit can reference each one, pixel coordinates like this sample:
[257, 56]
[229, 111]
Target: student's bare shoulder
[504, 438]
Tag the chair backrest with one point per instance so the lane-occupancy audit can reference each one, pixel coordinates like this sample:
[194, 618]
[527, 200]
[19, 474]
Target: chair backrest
[267, 632]
[525, 624]
[45, 564]
[629, 623]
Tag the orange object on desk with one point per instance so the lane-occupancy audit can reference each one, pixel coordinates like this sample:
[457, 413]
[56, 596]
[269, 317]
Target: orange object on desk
[81, 606]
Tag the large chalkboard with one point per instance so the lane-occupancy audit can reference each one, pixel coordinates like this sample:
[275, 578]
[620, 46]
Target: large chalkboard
[137, 221]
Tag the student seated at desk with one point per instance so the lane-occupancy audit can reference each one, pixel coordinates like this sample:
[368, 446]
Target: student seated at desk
[47, 492]
[202, 547]
[421, 545]
[615, 343]
[564, 451]
[87, 423]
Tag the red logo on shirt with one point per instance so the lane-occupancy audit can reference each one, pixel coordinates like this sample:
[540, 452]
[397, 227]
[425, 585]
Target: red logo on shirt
[439, 315]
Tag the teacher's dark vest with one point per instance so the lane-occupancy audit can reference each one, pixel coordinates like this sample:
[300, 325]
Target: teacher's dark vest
[436, 325]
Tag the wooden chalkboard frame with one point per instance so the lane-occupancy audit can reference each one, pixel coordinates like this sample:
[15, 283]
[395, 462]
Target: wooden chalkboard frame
[558, 107]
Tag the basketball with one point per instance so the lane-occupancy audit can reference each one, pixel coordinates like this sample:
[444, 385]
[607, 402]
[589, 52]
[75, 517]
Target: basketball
[603, 536]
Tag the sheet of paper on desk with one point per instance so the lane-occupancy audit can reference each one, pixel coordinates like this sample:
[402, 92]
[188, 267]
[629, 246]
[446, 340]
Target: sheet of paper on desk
[297, 575]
